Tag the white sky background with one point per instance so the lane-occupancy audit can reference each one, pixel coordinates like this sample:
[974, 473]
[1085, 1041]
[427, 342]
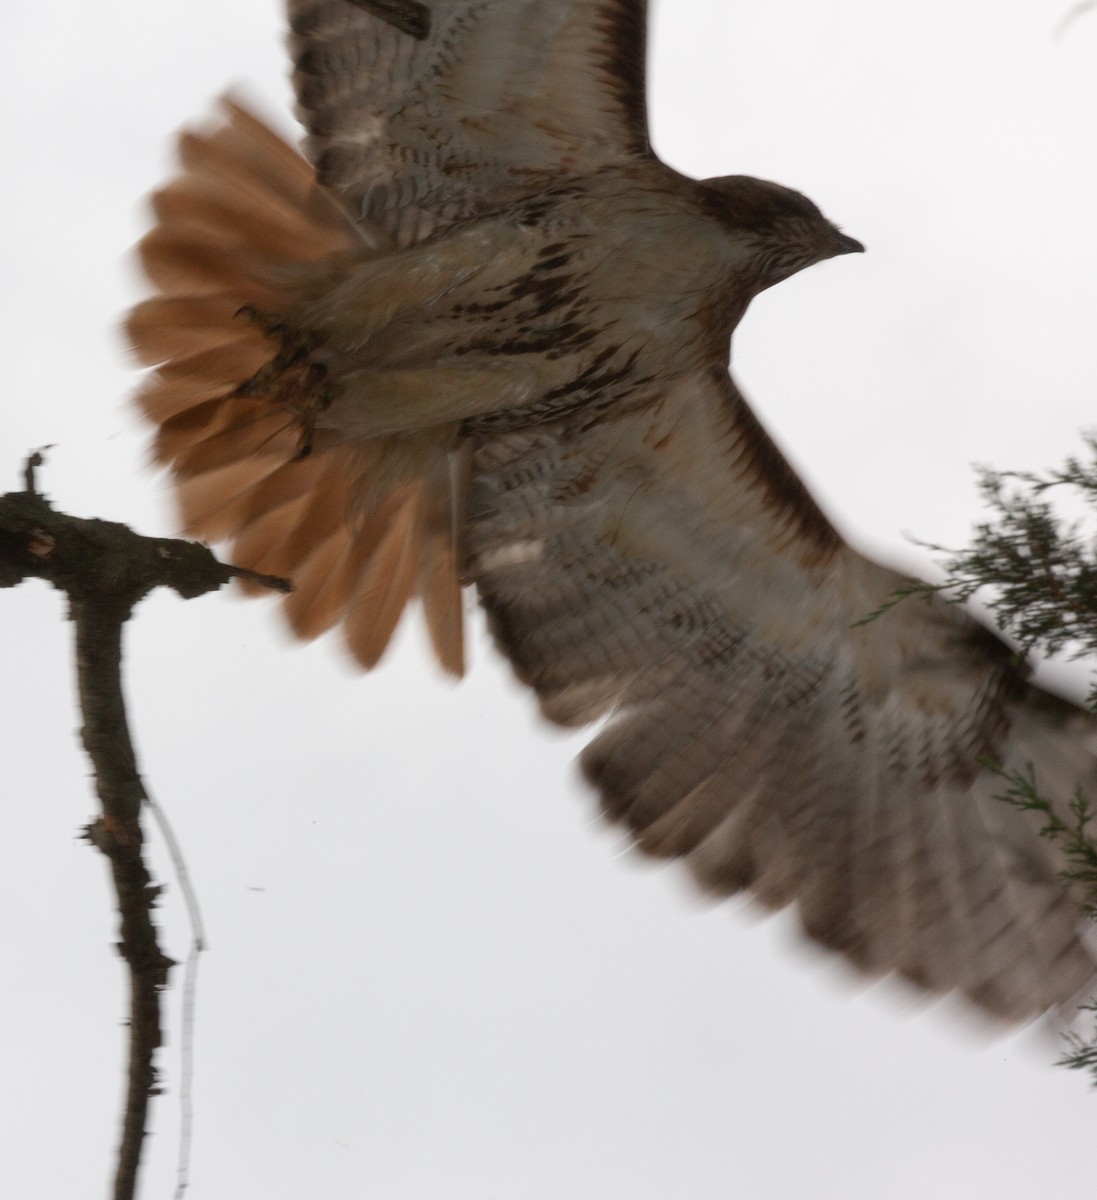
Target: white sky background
[433, 973]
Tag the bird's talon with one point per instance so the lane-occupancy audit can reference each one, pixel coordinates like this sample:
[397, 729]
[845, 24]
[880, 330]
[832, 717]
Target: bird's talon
[268, 324]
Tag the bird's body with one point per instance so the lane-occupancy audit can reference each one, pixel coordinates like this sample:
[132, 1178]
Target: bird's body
[544, 297]
[585, 298]
[484, 339]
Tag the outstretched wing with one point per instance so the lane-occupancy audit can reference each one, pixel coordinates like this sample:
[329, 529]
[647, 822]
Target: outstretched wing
[669, 569]
[499, 98]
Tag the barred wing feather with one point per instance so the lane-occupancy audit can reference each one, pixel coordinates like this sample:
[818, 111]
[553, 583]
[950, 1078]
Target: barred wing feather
[667, 569]
[503, 98]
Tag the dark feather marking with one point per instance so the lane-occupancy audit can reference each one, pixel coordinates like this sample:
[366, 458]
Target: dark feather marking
[784, 487]
[850, 699]
[406, 15]
[543, 291]
[896, 761]
[592, 393]
[624, 56]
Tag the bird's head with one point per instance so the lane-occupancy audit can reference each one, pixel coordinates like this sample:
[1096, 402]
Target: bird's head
[781, 231]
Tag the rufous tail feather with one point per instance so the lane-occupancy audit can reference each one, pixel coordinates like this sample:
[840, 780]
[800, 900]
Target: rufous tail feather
[360, 526]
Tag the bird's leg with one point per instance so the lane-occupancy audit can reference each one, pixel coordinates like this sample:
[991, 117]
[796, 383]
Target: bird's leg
[292, 378]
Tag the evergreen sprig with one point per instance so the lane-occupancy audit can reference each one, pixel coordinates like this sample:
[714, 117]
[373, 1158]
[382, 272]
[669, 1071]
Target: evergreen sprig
[1035, 569]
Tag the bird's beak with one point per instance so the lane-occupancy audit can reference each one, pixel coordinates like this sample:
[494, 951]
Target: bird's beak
[847, 245]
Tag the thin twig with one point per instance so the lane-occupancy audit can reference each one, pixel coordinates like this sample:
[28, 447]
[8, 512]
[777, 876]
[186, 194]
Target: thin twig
[190, 991]
[1072, 15]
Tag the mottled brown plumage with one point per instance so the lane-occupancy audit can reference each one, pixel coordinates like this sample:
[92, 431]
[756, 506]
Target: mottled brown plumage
[486, 340]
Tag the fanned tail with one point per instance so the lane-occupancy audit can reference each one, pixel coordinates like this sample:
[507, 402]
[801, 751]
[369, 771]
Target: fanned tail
[241, 236]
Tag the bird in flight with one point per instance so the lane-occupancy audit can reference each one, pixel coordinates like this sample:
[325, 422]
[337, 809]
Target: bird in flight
[478, 334]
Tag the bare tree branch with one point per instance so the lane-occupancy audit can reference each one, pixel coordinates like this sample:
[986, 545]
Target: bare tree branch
[105, 569]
